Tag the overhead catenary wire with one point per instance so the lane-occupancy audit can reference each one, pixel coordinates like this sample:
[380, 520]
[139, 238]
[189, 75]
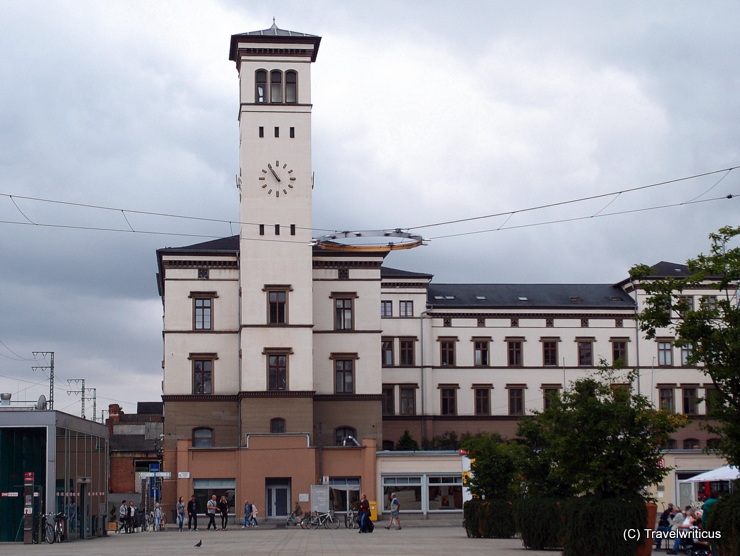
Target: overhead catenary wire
[582, 199]
[509, 214]
[576, 218]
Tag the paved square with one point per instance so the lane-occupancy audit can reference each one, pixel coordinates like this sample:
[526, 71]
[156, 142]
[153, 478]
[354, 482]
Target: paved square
[426, 539]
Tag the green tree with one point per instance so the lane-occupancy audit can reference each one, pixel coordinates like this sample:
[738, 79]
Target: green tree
[446, 441]
[495, 466]
[597, 438]
[710, 331]
[407, 442]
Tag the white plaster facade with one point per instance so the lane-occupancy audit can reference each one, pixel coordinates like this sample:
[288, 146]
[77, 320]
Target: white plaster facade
[419, 356]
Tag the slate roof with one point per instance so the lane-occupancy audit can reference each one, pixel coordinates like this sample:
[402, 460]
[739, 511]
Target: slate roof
[387, 273]
[667, 270]
[521, 296]
[221, 245]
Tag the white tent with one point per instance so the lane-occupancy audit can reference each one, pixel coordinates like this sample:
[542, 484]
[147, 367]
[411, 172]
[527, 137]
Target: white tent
[725, 473]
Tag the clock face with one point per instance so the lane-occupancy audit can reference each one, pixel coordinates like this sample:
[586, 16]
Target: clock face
[277, 178]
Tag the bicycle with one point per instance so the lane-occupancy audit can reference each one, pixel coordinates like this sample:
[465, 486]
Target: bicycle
[328, 520]
[53, 527]
[350, 518]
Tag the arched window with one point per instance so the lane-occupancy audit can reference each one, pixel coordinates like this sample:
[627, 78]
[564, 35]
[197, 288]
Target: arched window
[291, 84]
[343, 433]
[276, 86]
[713, 443]
[691, 444]
[277, 425]
[202, 438]
[671, 444]
[260, 79]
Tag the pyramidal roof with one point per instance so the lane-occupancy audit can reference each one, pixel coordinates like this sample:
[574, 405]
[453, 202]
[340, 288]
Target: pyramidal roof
[276, 35]
[275, 31]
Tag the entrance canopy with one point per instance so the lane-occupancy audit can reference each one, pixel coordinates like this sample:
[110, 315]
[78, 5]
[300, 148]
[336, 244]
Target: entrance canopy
[725, 473]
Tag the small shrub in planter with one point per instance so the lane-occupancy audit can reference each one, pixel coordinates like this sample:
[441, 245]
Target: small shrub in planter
[595, 525]
[541, 521]
[724, 519]
[489, 518]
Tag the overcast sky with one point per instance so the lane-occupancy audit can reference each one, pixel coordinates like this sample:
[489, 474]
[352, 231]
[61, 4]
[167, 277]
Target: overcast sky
[424, 112]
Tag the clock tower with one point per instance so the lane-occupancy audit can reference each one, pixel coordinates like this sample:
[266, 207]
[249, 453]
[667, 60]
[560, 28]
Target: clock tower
[276, 380]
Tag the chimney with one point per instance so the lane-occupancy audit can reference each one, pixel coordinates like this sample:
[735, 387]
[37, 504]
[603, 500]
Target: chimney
[5, 398]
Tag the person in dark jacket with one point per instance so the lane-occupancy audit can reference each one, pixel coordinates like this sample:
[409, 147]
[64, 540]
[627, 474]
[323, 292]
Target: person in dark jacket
[193, 511]
[364, 514]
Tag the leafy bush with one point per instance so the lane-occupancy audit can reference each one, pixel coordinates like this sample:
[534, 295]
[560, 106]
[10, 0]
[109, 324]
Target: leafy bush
[595, 525]
[725, 519]
[541, 521]
[489, 518]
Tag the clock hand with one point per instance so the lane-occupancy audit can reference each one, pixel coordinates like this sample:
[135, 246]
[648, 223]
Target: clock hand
[273, 172]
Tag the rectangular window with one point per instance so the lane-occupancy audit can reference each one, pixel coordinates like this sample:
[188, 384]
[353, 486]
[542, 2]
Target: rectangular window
[406, 308]
[619, 352]
[292, 133]
[277, 131]
[690, 401]
[548, 395]
[386, 309]
[711, 399]
[408, 489]
[686, 352]
[666, 399]
[343, 313]
[709, 302]
[406, 352]
[387, 352]
[482, 401]
[684, 304]
[448, 399]
[407, 398]
[277, 229]
[202, 376]
[344, 373]
[292, 229]
[277, 306]
[481, 353]
[388, 401]
[514, 353]
[203, 309]
[550, 353]
[585, 354]
[204, 489]
[665, 354]
[262, 229]
[516, 401]
[447, 352]
[277, 371]
[262, 131]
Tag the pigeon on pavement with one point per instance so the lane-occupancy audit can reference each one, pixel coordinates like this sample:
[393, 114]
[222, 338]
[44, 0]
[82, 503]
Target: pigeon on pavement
[199, 543]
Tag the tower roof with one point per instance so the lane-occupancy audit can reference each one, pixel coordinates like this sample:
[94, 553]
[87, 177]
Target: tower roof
[275, 35]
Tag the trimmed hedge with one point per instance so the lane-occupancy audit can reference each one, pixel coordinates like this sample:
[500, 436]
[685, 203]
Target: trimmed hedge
[595, 525]
[489, 518]
[541, 521]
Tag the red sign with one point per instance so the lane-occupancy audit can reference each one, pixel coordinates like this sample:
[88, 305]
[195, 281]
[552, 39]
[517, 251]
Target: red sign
[28, 478]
